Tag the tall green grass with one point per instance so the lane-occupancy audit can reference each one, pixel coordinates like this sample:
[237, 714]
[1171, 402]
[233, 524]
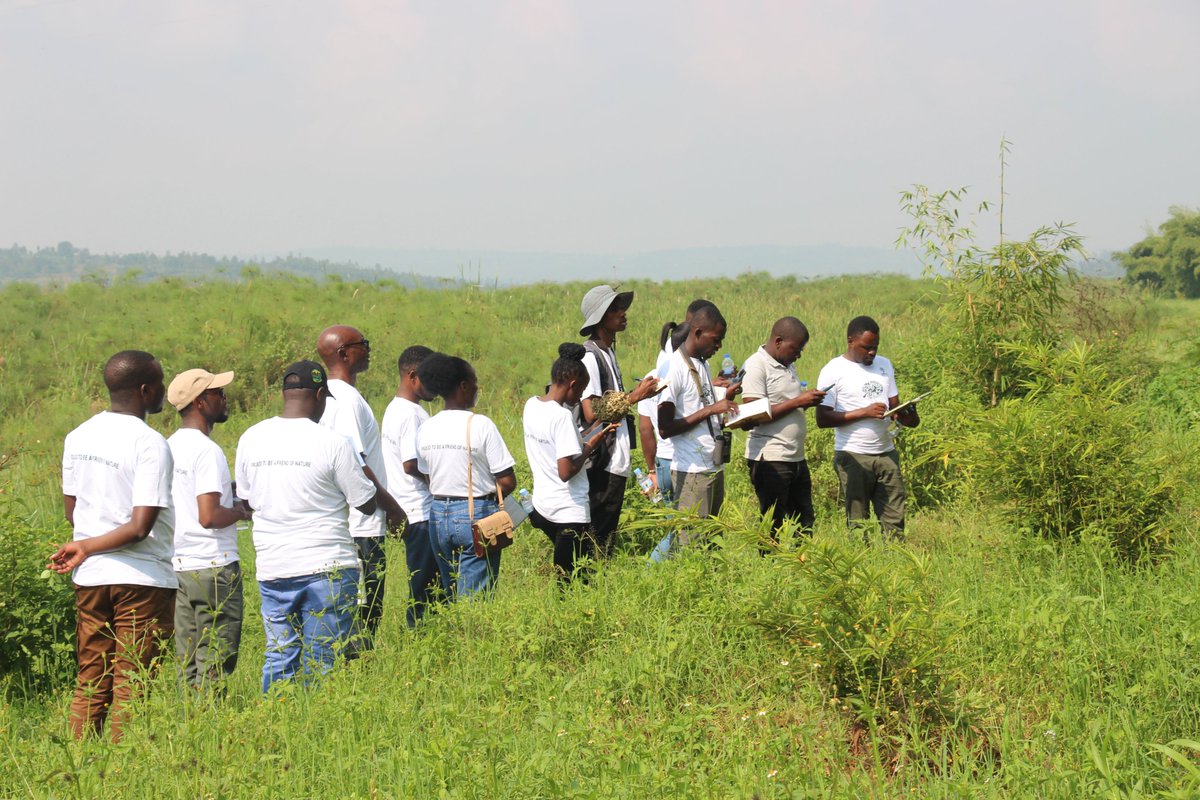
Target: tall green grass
[1073, 672]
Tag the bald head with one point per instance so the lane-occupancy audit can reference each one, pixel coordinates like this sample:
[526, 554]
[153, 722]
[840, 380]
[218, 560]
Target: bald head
[344, 351]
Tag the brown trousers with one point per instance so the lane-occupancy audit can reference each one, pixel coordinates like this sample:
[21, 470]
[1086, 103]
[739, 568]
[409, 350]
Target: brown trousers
[120, 629]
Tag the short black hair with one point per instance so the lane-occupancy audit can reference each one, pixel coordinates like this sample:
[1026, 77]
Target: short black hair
[441, 373]
[708, 317]
[679, 333]
[129, 369]
[569, 364]
[789, 328]
[861, 325]
[412, 357]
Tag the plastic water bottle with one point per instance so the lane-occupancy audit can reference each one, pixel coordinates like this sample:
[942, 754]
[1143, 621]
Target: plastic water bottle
[526, 500]
[647, 484]
[727, 366]
[804, 386]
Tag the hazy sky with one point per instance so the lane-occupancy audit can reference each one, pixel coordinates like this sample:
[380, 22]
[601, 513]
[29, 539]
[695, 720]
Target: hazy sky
[247, 127]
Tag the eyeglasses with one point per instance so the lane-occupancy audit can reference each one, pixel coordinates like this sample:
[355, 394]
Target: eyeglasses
[365, 343]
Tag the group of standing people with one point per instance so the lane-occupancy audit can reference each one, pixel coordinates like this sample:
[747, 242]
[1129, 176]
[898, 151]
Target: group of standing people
[155, 553]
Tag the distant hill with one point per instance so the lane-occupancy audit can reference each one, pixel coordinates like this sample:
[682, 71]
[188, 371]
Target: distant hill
[507, 267]
[69, 263]
[436, 268]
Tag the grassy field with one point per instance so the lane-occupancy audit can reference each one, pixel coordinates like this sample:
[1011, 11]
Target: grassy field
[978, 660]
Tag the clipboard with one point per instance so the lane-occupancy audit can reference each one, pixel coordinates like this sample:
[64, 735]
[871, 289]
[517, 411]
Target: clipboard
[906, 404]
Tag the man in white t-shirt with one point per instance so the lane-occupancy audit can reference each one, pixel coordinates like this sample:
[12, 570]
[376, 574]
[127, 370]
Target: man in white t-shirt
[657, 450]
[208, 605]
[860, 387]
[775, 449]
[604, 316]
[407, 484]
[301, 479]
[689, 414]
[117, 496]
[347, 354]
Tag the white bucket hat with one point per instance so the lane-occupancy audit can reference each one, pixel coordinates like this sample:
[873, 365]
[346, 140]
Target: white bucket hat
[597, 302]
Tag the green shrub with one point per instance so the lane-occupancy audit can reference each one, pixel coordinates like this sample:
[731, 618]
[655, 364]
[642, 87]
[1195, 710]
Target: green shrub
[873, 628]
[1072, 457]
[37, 608]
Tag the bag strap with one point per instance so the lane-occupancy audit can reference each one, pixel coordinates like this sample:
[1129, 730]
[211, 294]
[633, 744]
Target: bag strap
[470, 477]
[695, 373]
[607, 362]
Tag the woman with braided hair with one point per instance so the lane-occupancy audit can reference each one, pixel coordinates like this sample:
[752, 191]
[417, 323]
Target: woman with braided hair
[556, 459]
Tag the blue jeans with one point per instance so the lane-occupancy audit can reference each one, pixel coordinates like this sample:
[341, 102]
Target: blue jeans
[308, 619]
[424, 577]
[453, 547]
[662, 471]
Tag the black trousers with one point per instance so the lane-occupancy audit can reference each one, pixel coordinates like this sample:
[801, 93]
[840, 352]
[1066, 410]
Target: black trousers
[606, 494]
[785, 486]
[374, 565]
[572, 541]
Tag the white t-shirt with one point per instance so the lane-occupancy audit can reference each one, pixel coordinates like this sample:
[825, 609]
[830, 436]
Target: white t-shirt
[442, 453]
[401, 421]
[618, 464]
[550, 434]
[781, 439]
[112, 463]
[694, 448]
[649, 408]
[200, 468]
[349, 414]
[301, 479]
[853, 386]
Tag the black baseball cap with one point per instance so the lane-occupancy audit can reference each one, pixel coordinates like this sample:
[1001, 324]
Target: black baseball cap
[309, 374]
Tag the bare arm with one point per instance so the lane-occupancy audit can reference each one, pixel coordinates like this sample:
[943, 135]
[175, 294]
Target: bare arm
[383, 499]
[569, 466]
[74, 553]
[669, 426]
[909, 417]
[69, 508]
[213, 515]
[828, 418]
[411, 469]
[807, 399]
[649, 441]
[506, 481]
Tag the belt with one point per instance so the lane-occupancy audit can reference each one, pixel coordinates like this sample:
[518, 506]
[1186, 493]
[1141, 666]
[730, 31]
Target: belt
[491, 497]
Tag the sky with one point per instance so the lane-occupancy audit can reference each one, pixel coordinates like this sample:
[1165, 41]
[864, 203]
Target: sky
[238, 128]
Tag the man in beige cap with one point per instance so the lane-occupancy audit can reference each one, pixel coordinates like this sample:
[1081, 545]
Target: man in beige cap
[208, 605]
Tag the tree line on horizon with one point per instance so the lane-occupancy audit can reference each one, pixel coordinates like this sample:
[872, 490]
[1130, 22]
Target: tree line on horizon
[69, 263]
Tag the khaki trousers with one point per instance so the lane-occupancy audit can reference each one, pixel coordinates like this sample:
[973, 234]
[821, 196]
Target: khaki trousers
[872, 481]
[120, 629]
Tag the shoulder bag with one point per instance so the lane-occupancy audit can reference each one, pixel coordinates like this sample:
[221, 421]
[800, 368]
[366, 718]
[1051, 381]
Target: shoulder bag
[494, 532]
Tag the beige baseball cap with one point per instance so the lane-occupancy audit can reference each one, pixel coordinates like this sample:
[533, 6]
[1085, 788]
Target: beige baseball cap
[187, 386]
